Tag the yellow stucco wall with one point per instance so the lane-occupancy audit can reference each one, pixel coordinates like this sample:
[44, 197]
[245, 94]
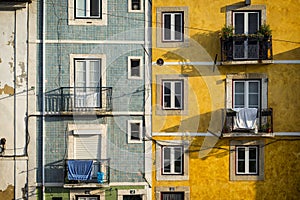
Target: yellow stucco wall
[209, 176]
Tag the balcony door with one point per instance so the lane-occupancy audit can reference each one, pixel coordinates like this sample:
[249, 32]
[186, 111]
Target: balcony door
[246, 94]
[87, 83]
[245, 24]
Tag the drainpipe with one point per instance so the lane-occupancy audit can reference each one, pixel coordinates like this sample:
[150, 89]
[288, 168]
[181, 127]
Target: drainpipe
[43, 97]
[148, 102]
[15, 103]
[26, 133]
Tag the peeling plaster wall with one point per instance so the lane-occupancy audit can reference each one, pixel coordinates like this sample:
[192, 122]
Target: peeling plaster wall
[13, 85]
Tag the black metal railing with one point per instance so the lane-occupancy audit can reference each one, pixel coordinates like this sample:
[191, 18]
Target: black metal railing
[237, 48]
[264, 122]
[72, 99]
[100, 173]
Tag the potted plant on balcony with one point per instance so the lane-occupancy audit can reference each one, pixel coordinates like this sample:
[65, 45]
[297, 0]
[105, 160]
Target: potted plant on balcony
[265, 31]
[226, 32]
[266, 128]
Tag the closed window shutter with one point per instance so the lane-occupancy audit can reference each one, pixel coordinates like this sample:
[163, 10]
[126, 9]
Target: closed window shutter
[87, 147]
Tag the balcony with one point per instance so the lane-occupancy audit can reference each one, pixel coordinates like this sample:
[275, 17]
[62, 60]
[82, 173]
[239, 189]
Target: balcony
[79, 174]
[263, 125]
[246, 49]
[68, 100]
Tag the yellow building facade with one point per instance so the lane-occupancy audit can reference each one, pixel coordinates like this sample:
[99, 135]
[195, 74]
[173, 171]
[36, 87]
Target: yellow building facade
[225, 99]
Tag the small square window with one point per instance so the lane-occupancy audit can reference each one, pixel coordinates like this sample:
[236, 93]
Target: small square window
[135, 6]
[135, 131]
[135, 69]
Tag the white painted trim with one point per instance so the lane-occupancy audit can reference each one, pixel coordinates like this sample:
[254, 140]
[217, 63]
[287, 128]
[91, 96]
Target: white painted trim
[207, 63]
[128, 184]
[129, 140]
[286, 61]
[209, 134]
[127, 113]
[141, 67]
[287, 134]
[135, 11]
[91, 42]
[181, 134]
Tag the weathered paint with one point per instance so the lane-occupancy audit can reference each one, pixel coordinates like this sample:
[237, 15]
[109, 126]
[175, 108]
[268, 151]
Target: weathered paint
[209, 175]
[8, 193]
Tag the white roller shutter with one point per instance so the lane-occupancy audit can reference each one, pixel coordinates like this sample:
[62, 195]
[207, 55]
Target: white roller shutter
[87, 146]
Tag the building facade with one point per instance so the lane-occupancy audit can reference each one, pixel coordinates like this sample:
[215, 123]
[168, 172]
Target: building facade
[224, 121]
[92, 60]
[16, 93]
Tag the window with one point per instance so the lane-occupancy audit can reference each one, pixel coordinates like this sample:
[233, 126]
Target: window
[87, 83]
[131, 194]
[87, 8]
[135, 68]
[246, 23]
[87, 197]
[172, 192]
[172, 161]
[87, 12]
[246, 160]
[172, 94]
[135, 129]
[172, 26]
[246, 94]
[172, 195]
[132, 197]
[135, 6]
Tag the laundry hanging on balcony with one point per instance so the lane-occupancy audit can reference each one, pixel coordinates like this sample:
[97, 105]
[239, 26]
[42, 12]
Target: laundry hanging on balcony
[80, 169]
[245, 118]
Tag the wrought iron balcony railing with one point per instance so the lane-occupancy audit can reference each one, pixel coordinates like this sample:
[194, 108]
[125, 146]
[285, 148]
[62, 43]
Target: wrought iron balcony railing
[100, 172]
[246, 48]
[264, 124]
[78, 99]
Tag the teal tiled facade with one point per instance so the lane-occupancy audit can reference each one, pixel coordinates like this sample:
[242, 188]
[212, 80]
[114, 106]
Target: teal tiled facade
[123, 36]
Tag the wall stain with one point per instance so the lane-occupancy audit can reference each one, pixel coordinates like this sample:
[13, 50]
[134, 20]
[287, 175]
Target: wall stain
[22, 77]
[11, 42]
[7, 90]
[8, 193]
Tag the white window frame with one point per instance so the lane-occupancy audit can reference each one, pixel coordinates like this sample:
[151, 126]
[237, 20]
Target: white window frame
[246, 92]
[129, 131]
[130, 2]
[87, 10]
[160, 110]
[172, 25]
[230, 78]
[246, 19]
[160, 42]
[172, 160]
[247, 160]
[247, 176]
[89, 20]
[172, 94]
[130, 58]
[184, 175]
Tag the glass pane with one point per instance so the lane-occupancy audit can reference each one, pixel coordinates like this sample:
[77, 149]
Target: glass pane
[135, 5]
[135, 67]
[241, 166]
[253, 87]
[177, 101]
[167, 159]
[178, 26]
[178, 89]
[253, 100]
[241, 153]
[253, 49]
[252, 23]
[239, 87]
[94, 74]
[252, 167]
[252, 153]
[80, 76]
[167, 101]
[80, 8]
[135, 131]
[239, 101]
[178, 159]
[167, 86]
[167, 26]
[239, 23]
[167, 153]
[94, 8]
[172, 195]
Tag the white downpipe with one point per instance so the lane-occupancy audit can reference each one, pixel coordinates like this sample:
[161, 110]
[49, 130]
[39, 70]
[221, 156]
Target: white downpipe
[148, 102]
[43, 97]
